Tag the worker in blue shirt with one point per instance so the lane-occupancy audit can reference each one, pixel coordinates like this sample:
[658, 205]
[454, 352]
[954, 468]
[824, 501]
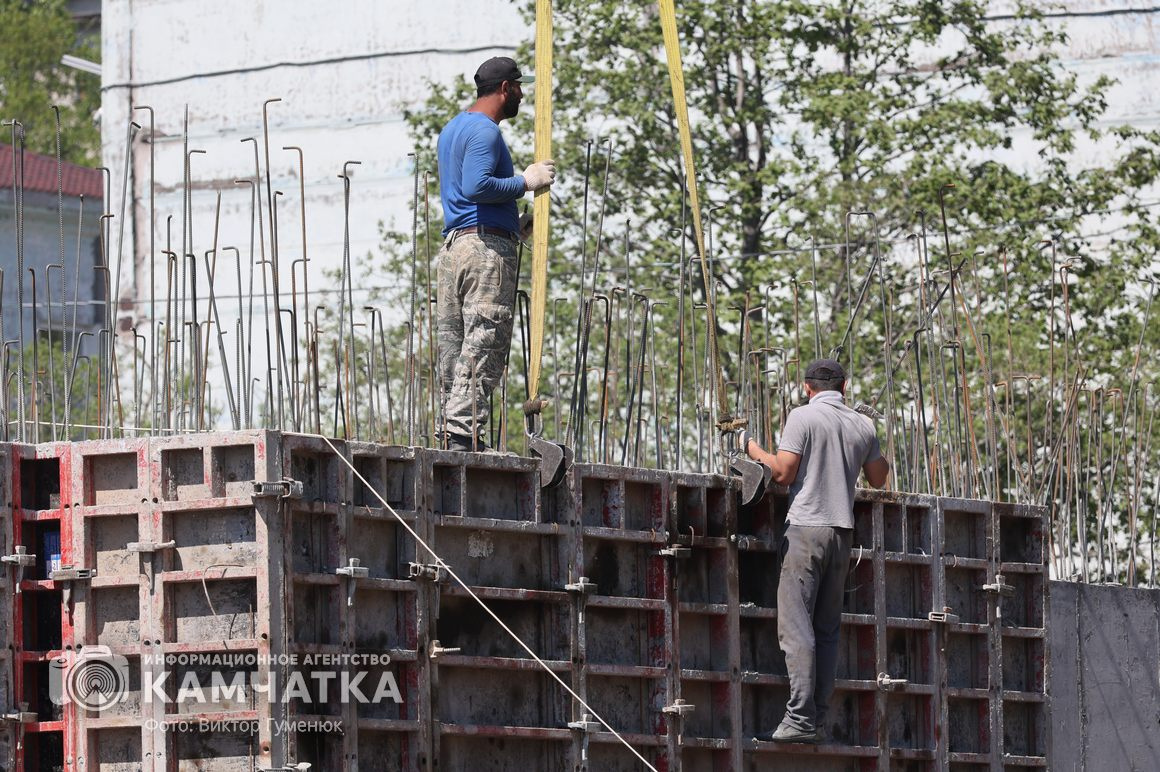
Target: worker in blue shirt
[477, 264]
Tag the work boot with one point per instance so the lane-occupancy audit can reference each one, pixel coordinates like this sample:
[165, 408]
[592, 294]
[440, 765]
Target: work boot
[464, 445]
[788, 734]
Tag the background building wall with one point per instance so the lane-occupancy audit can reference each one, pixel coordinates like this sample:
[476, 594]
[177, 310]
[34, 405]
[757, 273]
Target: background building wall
[345, 75]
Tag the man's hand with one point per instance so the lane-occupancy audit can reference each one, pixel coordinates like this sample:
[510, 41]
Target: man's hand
[525, 226]
[743, 440]
[539, 175]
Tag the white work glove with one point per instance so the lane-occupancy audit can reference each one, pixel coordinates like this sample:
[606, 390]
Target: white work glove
[540, 174]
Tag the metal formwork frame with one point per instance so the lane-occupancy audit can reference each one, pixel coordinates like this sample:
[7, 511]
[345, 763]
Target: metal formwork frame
[652, 593]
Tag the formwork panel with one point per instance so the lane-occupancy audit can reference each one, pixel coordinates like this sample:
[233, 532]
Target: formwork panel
[486, 557]
[314, 614]
[910, 720]
[1023, 664]
[906, 529]
[968, 730]
[494, 697]
[114, 616]
[501, 494]
[183, 474]
[629, 704]
[762, 707]
[209, 684]
[1024, 728]
[1024, 607]
[757, 578]
[321, 473]
[320, 749]
[614, 757]
[232, 470]
[964, 594]
[106, 540]
[967, 660]
[503, 754]
[964, 534]
[705, 642]
[618, 636]
[313, 542]
[908, 590]
[703, 576]
[384, 619]
[114, 478]
[212, 610]
[711, 715]
[197, 751]
[208, 538]
[462, 624]
[383, 547]
[392, 473]
[908, 655]
[623, 568]
[115, 750]
[386, 751]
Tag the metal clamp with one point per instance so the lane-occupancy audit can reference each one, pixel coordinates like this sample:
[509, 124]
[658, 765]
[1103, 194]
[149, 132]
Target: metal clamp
[22, 715]
[150, 546]
[20, 558]
[888, 684]
[746, 542]
[999, 587]
[584, 586]
[72, 574]
[283, 489]
[946, 616]
[436, 649]
[677, 551]
[678, 708]
[428, 571]
[353, 570]
[585, 724]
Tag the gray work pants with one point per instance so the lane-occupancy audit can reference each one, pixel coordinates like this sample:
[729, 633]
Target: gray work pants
[476, 292]
[814, 562]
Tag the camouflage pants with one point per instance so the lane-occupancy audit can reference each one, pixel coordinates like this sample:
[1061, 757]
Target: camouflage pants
[476, 295]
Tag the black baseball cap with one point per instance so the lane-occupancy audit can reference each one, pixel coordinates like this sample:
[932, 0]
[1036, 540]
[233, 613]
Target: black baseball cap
[824, 370]
[497, 70]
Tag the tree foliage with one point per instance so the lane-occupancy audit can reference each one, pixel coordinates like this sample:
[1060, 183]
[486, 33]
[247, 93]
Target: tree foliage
[33, 38]
[963, 135]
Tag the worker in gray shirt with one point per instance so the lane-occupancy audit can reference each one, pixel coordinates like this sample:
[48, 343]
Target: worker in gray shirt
[823, 447]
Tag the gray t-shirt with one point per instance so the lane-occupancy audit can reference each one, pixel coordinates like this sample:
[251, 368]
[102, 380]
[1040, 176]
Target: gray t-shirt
[834, 443]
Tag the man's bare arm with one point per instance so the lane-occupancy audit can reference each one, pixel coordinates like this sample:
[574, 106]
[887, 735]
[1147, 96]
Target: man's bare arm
[783, 463]
[876, 471]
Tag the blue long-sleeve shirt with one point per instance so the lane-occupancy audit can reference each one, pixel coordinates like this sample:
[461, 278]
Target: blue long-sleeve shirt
[477, 182]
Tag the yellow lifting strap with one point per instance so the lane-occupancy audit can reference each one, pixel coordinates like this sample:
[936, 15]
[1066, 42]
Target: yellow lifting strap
[677, 79]
[543, 151]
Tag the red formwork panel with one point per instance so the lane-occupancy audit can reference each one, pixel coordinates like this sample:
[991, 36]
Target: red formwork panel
[43, 609]
[13, 569]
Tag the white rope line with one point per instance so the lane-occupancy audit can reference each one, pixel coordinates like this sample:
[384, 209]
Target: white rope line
[439, 561]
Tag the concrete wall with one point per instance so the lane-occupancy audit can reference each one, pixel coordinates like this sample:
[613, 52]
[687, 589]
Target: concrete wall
[1104, 644]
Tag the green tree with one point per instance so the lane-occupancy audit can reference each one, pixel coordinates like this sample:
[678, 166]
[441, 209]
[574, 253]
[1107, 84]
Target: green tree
[33, 38]
[957, 131]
